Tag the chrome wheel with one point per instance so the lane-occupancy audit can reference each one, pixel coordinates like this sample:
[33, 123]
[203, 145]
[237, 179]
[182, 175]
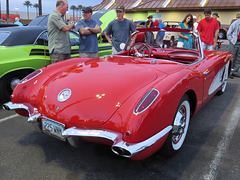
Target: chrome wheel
[180, 125]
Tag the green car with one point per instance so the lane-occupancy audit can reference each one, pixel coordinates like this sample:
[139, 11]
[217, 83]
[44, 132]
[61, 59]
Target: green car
[24, 49]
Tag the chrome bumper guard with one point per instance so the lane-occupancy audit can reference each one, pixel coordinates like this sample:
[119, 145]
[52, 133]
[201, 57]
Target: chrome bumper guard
[119, 146]
[13, 106]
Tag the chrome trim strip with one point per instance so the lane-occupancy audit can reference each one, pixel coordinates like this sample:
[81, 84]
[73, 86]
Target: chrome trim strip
[131, 148]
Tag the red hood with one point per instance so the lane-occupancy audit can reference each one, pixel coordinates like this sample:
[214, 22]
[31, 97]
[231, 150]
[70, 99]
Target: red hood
[98, 89]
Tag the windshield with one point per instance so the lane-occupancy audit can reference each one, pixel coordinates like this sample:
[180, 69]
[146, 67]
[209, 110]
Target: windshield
[166, 38]
[174, 44]
[40, 21]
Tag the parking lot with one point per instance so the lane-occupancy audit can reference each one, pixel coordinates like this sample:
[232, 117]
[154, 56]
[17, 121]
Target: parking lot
[211, 149]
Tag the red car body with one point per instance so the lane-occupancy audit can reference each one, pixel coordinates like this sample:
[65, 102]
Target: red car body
[137, 101]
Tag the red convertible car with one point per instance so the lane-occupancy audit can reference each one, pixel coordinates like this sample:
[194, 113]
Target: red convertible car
[137, 101]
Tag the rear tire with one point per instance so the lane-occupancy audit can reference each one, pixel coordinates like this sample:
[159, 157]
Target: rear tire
[180, 125]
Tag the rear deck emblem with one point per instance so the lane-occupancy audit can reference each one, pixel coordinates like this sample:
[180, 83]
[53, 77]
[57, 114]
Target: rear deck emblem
[64, 95]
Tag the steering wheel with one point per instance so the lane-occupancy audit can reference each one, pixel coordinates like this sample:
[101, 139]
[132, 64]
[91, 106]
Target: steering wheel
[140, 50]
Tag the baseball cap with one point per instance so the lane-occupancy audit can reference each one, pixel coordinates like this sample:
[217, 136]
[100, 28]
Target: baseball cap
[120, 8]
[150, 16]
[87, 9]
[216, 14]
[238, 15]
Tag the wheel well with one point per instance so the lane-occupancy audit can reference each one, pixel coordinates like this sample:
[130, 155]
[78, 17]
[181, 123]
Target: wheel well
[27, 71]
[193, 100]
[223, 30]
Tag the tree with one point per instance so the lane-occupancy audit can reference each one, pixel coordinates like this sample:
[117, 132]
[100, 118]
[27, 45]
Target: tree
[73, 7]
[80, 9]
[77, 9]
[37, 7]
[40, 7]
[7, 8]
[28, 4]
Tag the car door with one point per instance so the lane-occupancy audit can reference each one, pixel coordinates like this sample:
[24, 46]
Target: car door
[208, 69]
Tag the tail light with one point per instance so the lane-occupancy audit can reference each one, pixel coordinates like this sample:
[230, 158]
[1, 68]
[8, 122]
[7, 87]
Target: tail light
[31, 76]
[146, 101]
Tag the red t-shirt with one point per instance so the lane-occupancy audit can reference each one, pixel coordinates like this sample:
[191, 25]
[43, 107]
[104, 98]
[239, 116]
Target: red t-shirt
[155, 24]
[207, 29]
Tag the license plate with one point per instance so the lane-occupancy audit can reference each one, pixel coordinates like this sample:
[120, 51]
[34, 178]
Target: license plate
[53, 128]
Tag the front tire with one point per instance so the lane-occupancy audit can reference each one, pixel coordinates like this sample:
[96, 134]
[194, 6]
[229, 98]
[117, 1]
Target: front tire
[179, 131]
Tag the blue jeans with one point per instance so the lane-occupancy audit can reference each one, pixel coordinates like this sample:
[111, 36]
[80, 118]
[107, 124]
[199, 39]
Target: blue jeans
[235, 50]
[208, 47]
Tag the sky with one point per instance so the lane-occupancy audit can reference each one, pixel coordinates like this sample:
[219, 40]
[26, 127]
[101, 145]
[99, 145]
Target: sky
[47, 5]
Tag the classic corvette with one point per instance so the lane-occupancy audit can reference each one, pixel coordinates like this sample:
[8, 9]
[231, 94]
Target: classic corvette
[137, 101]
[25, 49]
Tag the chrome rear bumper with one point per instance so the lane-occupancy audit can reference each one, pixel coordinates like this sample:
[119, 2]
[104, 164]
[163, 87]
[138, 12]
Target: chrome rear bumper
[119, 146]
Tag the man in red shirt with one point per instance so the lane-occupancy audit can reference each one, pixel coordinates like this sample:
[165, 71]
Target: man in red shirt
[156, 23]
[208, 29]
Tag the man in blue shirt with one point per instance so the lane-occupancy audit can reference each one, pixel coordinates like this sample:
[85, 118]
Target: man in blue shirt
[88, 29]
[17, 21]
[120, 29]
[160, 35]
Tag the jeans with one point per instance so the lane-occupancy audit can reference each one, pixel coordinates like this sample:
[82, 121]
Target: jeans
[208, 47]
[159, 41]
[235, 50]
[150, 38]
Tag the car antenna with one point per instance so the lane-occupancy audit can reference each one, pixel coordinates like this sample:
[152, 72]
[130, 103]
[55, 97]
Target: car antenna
[44, 42]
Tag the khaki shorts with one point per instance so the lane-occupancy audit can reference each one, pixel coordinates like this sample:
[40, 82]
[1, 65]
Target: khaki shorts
[59, 57]
[90, 54]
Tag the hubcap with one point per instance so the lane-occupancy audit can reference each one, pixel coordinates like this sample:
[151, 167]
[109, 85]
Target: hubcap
[179, 124]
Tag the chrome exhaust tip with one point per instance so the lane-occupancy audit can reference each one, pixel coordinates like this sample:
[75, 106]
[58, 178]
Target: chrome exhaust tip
[6, 107]
[121, 151]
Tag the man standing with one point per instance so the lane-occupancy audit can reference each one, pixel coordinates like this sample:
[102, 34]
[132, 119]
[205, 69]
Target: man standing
[233, 36]
[208, 29]
[58, 33]
[195, 24]
[160, 35]
[156, 23]
[88, 29]
[216, 16]
[149, 35]
[120, 30]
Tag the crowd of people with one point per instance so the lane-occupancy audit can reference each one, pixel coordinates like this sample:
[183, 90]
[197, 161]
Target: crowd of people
[120, 29]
